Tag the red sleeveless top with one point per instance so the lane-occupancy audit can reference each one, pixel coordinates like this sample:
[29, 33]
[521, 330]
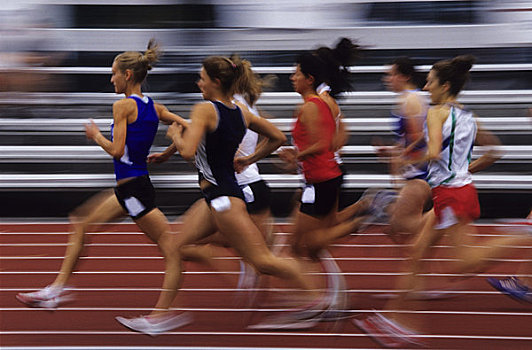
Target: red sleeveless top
[320, 166]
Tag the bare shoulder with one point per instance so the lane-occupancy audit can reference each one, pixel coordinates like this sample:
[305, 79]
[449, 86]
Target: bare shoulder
[414, 97]
[331, 102]
[125, 105]
[438, 112]
[159, 108]
[204, 113]
[204, 108]
[309, 107]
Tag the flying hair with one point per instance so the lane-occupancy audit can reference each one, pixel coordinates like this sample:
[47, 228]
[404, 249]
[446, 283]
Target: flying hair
[139, 63]
[336, 63]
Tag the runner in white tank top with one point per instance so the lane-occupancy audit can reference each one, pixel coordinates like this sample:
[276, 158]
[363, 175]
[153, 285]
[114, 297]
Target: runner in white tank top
[451, 168]
[322, 89]
[247, 147]
[451, 132]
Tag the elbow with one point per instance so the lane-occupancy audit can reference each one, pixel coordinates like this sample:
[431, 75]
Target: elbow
[433, 156]
[281, 140]
[117, 154]
[187, 155]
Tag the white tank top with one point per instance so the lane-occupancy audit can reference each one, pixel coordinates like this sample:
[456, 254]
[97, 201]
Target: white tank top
[247, 147]
[458, 134]
[321, 89]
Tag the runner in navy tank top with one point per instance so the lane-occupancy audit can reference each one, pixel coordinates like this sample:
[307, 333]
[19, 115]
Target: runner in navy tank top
[216, 152]
[211, 140]
[136, 118]
[248, 88]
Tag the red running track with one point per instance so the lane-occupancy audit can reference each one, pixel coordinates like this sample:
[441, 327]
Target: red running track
[121, 273]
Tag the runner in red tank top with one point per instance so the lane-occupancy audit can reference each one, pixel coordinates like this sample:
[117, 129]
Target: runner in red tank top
[316, 220]
[321, 165]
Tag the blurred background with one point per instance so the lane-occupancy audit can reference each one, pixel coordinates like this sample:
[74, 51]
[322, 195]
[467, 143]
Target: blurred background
[55, 58]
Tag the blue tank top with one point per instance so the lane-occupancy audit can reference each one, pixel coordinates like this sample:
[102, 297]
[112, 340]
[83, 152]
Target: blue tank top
[139, 138]
[216, 152]
[403, 137]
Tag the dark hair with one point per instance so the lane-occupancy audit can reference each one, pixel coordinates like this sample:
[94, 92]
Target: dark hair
[223, 69]
[312, 65]
[337, 61]
[454, 71]
[139, 63]
[406, 67]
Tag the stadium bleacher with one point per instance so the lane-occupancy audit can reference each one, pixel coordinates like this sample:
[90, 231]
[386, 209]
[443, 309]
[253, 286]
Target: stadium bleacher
[48, 167]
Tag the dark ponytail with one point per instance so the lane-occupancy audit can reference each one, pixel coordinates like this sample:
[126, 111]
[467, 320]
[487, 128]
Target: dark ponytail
[455, 71]
[337, 62]
[406, 67]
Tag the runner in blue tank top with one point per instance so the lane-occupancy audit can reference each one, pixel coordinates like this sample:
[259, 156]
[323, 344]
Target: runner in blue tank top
[136, 118]
[139, 138]
[406, 212]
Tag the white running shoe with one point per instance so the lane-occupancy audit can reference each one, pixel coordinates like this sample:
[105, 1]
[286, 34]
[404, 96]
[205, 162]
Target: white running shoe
[285, 321]
[248, 277]
[154, 325]
[388, 333]
[303, 318]
[49, 297]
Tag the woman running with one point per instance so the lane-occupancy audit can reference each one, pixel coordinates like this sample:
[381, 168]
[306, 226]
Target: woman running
[451, 132]
[336, 74]
[316, 223]
[135, 122]
[211, 140]
[406, 215]
[247, 90]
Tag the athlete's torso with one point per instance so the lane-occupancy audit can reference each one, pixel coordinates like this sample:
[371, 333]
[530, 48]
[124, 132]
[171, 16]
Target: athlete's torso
[139, 139]
[320, 166]
[216, 152]
[251, 173]
[458, 134]
[406, 130]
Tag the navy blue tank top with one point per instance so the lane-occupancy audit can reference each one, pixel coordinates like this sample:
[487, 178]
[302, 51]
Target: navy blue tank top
[139, 138]
[216, 152]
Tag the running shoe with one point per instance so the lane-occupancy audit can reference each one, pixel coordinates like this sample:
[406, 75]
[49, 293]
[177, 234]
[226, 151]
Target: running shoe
[419, 295]
[387, 332]
[49, 297]
[154, 325]
[512, 287]
[381, 200]
[248, 277]
[336, 295]
[285, 321]
[303, 318]
[368, 196]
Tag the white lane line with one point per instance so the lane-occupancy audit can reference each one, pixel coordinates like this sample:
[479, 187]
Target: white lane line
[498, 222]
[86, 245]
[365, 246]
[263, 334]
[238, 258]
[284, 290]
[138, 233]
[238, 272]
[353, 311]
[67, 233]
[153, 348]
